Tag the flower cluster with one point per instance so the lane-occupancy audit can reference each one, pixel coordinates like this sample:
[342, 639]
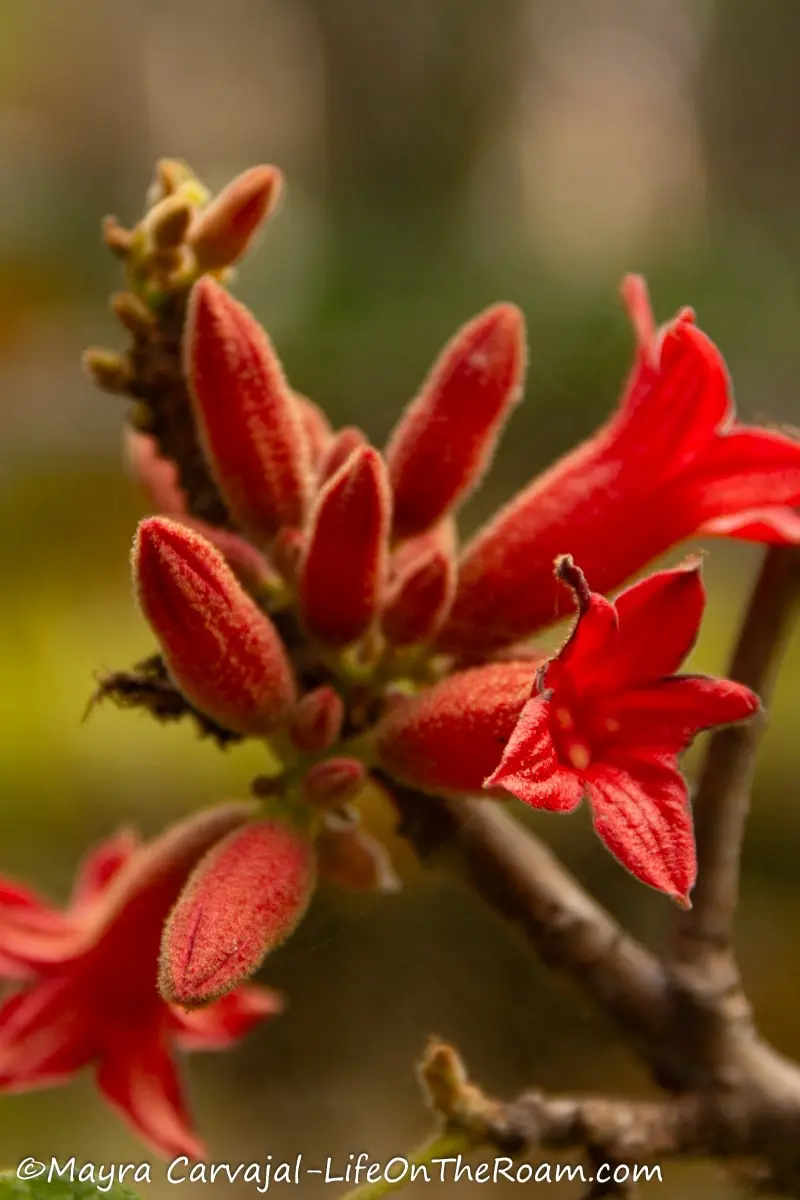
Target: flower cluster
[308, 590]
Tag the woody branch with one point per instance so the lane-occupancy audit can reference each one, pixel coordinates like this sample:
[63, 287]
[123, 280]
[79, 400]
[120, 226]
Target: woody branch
[729, 1092]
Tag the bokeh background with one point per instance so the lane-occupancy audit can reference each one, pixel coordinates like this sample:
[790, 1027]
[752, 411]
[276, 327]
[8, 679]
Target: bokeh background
[440, 155]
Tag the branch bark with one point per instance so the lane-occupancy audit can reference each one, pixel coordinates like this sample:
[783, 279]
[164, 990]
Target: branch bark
[732, 1093]
[520, 878]
[722, 798]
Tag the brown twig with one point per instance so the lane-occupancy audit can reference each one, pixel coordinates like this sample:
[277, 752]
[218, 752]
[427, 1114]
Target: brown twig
[519, 877]
[722, 798]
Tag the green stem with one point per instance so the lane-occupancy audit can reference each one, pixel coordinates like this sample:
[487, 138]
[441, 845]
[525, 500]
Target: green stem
[443, 1145]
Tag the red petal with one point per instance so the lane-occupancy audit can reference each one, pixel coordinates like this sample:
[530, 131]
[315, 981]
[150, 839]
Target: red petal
[451, 736]
[222, 650]
[675, 404]
[129, 919]
[225, 1022]
[247, 413]
[743, 469]
[659, 618]
[643, 818]
[100, 866]
[33, 934]
[530, 768]
[343, 571]
[592, 645]
[138, 1077]
[670, 713]
[245, 897]
[636, 298]
[46, 1035]
[775, 526]
[444, 440]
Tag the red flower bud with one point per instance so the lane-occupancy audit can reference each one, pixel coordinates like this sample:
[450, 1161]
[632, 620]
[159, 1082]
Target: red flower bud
[247, 414]
[443, 443]
[334, 782]
[353, 859]
[317, 428]
[451, 737]
[245, 898]
[156, 476]
[442, 537]
[346, 441]
[420, 599]
[342, 573]
[316, 720]
[224, 230]
[222, 651]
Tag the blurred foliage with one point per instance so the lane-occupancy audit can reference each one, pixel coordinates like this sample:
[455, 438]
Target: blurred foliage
[439, 157]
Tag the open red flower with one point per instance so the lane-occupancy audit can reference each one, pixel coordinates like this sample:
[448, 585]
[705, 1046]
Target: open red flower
[89, 993]
[607, 718]
[672, 462]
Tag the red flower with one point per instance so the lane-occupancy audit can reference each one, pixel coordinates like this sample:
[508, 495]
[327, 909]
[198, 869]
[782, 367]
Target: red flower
[608, 717]
[672, 462]
[90, 994]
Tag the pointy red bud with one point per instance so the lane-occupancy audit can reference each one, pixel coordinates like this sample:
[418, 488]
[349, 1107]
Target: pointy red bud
[225, 229]
[222, 651]
[344, 566]
[344, 443]
[156, 476]
[334, 782]
[442, 537]
[242, 901]
[247, 414]
[317, 428]
[419, 600]
[443, 442]
[316, 720]
[351, 858]
[452, 736]
[249, 565]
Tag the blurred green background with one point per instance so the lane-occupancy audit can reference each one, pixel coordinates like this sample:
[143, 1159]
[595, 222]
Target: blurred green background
[440, 155]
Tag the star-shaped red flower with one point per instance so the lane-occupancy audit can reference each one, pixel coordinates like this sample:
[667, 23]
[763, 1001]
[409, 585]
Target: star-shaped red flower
[607, 718]
[87, 982]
